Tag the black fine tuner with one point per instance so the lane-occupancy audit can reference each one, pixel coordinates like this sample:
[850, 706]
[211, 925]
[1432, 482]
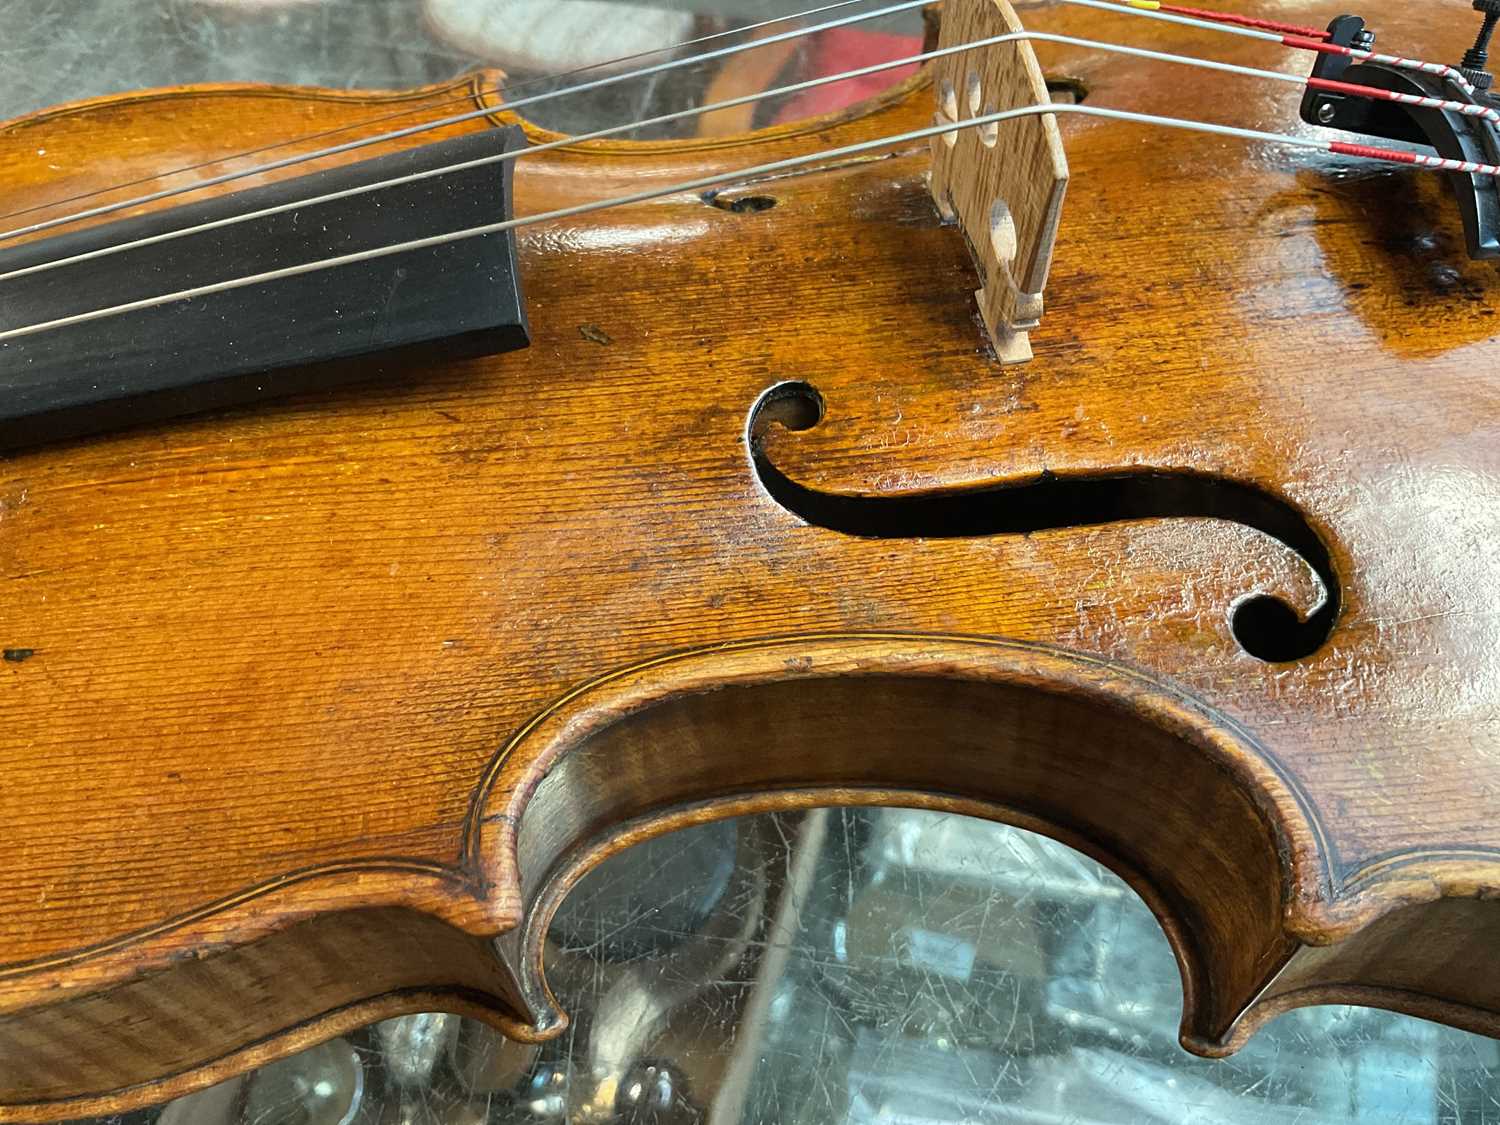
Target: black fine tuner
[1451, 133]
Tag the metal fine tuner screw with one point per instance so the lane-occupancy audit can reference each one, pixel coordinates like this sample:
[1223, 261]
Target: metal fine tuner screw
[1475, 66]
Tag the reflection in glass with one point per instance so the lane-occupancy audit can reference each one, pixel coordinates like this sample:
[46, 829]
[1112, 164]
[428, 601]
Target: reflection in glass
[57, 52]
[850, 967]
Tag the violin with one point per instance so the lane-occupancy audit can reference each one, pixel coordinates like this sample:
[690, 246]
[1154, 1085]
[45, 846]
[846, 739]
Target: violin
[406, 508]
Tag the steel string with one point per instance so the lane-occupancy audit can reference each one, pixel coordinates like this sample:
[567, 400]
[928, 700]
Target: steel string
[762, 170]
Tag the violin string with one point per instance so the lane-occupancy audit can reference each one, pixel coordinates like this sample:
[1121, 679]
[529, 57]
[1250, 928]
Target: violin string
[1230, 17]
[671, 64]
[1160, 14]
[460, 118]
[794, 88]
[516, 154]
[480, 89]
[1450, 74]
[760, 171]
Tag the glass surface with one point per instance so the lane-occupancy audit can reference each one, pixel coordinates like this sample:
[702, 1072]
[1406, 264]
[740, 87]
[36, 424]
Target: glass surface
[835, 967]
[846, 967]
[55, 51]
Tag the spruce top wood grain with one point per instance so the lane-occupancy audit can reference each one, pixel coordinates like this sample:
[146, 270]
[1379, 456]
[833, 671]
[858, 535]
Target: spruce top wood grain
[310, 712]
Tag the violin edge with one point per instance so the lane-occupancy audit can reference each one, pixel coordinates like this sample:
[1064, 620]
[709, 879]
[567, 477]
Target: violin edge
[479, 85]
[1258, 918]
[1396, 885]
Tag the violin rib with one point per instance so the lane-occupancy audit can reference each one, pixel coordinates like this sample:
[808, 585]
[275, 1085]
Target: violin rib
[312, 709]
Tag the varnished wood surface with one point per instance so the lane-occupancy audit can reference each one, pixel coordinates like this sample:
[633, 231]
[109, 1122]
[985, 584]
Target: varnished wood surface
[308, 683]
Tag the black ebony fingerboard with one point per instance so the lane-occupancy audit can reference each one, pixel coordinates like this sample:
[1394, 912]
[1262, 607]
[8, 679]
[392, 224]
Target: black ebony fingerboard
[271, 339]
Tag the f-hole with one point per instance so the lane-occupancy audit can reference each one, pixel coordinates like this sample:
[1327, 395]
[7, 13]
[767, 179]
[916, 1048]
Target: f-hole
[1264, 626]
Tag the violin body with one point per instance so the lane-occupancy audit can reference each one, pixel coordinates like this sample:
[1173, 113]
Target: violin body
[313, 710]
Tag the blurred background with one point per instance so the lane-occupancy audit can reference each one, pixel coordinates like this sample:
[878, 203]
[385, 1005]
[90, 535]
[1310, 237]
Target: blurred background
[813, 969]
[53, 51]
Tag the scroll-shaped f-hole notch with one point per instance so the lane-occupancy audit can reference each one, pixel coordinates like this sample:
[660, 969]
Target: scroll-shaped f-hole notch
[1265, 626]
